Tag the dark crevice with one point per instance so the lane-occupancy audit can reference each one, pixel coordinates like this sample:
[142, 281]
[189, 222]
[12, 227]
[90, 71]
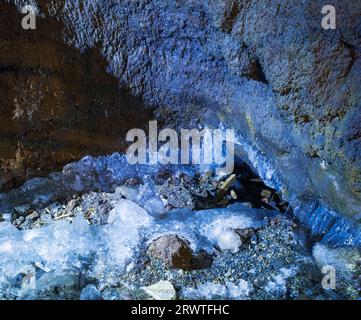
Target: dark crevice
[353, 56]
[257, 73]
[230, 18]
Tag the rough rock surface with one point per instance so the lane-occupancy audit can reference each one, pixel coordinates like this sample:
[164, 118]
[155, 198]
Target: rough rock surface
[172, 250]
[57, 104]
[267, 69]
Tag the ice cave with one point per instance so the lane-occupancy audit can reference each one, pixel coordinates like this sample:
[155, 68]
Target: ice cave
[81, 219]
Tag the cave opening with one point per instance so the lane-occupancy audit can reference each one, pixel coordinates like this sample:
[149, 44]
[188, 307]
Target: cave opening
[78, 220]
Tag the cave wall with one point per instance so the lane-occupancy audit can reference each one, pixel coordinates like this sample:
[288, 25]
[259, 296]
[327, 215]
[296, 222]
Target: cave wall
[57, 104]
[266, 68]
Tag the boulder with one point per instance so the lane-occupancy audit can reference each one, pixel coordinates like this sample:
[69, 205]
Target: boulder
[129, 193]
[172, 250]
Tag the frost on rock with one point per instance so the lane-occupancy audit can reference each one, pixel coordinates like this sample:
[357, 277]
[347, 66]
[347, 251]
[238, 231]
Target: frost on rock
[229, 240]
[125, 220]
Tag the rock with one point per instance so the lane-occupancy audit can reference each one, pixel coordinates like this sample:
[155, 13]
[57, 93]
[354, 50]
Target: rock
[308, 90]
[162, 290]
[90, 292]
[155, 206]
[202, 260]
[32, 216]
[53, 123]
[177, 195]
[55, 286]
[129, 193]
[172, 250]
[225, 186]
[234, 195]
[246, 234]
[346, 263]
[266, 193]
[19, 221]
[22, 210]
[127, 212]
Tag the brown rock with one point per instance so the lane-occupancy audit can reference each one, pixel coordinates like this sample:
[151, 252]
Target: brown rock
[57, 104]
[172, 250]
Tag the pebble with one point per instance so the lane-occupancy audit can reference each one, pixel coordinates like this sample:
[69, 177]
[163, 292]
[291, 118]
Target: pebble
[162, 290]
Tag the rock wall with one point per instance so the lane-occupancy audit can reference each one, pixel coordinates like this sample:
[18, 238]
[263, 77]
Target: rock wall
[57, 104]
[266, 68]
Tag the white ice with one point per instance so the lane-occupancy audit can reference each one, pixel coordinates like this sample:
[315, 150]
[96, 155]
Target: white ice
[113, 247]
[210, 290]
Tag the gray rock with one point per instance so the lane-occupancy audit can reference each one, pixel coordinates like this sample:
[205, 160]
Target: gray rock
[129, 193]
[162, 290]
[90, 292]
[55, 286]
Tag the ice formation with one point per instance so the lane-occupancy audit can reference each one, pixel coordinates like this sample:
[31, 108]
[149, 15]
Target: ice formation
[108, 172]
[100, 251]
[210, 290]
[221, 231]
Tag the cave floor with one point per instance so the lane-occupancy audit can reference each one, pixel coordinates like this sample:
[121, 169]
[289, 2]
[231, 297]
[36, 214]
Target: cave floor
[93, 245]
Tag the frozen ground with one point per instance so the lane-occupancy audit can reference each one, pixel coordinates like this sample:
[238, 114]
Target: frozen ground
[64, 241]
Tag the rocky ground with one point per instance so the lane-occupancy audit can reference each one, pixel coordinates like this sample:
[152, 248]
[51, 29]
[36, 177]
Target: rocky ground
[176, 236]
